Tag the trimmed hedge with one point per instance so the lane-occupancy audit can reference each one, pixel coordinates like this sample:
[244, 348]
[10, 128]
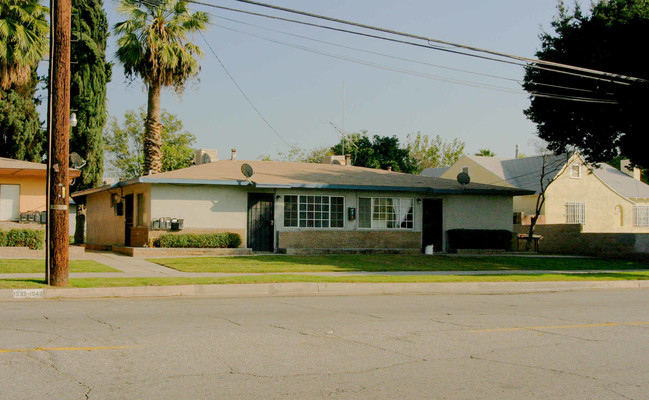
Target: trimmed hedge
[479, 239]
[32, 238]
[206, 240]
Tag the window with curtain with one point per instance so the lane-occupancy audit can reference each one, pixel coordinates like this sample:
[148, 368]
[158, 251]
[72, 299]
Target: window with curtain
[314, 211]
[385, 213]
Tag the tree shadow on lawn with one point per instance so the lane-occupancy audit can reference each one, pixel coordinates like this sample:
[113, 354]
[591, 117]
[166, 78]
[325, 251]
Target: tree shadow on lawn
[22, 283]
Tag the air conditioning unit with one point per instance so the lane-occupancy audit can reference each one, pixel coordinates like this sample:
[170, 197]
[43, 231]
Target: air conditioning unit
[205, 156]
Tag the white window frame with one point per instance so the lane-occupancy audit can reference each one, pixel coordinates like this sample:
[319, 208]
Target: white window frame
[381, 224]
[300, 201]
[641, 216]
[575, 213]
[575, 173]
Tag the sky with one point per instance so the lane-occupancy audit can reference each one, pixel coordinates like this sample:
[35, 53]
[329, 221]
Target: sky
[300, 91]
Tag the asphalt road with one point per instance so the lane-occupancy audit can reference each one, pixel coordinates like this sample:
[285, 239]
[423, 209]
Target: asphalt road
[569, 345]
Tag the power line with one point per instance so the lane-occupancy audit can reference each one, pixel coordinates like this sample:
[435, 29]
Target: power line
[538, 94]
[609, 75]
[426, 46]
[242, 92]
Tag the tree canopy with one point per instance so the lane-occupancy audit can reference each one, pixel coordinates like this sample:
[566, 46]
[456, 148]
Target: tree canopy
[23, 40]
[601, 118]
[90, 74]
[382, 152]
[21, 135]
[433, 152]
[125, 144]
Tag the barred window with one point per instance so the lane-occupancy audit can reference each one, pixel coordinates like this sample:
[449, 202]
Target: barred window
[385, 213]
[641, 216]
[575, 213]
[575, 170]
[314, 211]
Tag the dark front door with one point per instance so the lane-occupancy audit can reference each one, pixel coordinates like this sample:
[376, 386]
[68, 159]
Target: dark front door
[260, 221]
[128, 218]
[432, 228]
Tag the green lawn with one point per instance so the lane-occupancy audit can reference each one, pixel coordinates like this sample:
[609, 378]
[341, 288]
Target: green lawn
[13, 266]
[388, 262]
[129, 282]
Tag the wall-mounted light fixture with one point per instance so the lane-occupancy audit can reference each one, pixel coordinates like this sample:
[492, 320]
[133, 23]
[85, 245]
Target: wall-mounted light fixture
[418, 201]
[279, 196]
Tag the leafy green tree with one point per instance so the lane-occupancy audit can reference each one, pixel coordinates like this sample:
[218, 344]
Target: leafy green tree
[381, 152]
[433, 153]
[605, 39]
[485, 153]
[125, 144]
[153, 45]
[298, 154]
[23, 40]
[21, 136]
[90, 74]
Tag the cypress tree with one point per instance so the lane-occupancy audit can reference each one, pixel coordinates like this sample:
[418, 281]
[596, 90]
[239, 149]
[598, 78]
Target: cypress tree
[90, 74]
[21, 135]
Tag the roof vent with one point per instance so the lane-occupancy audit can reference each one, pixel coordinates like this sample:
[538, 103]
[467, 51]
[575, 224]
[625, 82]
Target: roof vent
[336, 160]
[205, 156]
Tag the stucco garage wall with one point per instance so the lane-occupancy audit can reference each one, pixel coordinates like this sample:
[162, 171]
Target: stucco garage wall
[32, 191]
[203, 208]
[477, 212]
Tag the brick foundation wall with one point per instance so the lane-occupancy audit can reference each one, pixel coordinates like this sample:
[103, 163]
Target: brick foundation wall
[568, 239]
[349, 240]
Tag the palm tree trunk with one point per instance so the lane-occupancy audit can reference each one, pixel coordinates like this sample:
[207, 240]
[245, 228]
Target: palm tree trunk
[153, 133]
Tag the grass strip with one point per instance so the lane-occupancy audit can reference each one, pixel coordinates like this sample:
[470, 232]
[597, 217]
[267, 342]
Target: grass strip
[17, 266]
[388, 262]
[251, 279]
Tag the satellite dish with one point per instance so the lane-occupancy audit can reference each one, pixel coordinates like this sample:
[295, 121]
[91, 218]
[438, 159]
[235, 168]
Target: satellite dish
[77, 161]
[247, 171]
[463, 178]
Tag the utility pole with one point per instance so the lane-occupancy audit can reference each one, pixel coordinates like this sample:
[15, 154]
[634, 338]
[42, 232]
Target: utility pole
[58, 230]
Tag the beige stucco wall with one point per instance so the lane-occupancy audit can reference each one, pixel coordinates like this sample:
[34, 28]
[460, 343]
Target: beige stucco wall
[103, 225]
[203, 208]
[32, 191]
[477, 172]
[478, 212]
[601, 204]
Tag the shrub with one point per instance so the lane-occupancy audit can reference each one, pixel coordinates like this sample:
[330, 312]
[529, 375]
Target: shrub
[479, 239]
[32, 238]
[206, 240]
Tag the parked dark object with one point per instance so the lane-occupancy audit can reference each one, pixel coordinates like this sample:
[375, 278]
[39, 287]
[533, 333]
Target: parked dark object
[479, 239]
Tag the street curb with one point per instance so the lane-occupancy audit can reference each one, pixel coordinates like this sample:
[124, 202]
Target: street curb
[316, 289]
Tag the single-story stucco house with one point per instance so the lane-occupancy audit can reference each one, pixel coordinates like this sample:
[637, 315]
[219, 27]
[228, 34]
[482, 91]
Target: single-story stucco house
[295, 206]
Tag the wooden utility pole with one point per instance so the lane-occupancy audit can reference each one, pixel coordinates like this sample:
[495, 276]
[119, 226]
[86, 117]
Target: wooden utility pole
[59, 190]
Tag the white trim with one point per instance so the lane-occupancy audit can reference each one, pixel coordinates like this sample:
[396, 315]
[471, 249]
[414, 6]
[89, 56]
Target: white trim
[298, 227]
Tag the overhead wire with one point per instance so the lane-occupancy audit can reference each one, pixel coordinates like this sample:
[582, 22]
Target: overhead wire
[400, 41]
[242, 92]
[528, 60]
[475, 84]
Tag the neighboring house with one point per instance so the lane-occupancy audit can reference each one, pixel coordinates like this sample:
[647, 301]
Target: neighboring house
[23, 188]
[601, 199]
[295, 206]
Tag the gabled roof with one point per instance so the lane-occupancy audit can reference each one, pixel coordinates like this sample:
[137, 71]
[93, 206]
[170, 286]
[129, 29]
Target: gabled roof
[524, 173]
[622, 183]
[434, 172]
[272, 174]
[11, 167]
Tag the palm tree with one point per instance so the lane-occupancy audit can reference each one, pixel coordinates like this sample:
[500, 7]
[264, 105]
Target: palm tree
[485, 153]
[23, 40]
[153, 45]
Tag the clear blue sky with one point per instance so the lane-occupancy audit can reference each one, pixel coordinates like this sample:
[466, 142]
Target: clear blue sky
[300, 92]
